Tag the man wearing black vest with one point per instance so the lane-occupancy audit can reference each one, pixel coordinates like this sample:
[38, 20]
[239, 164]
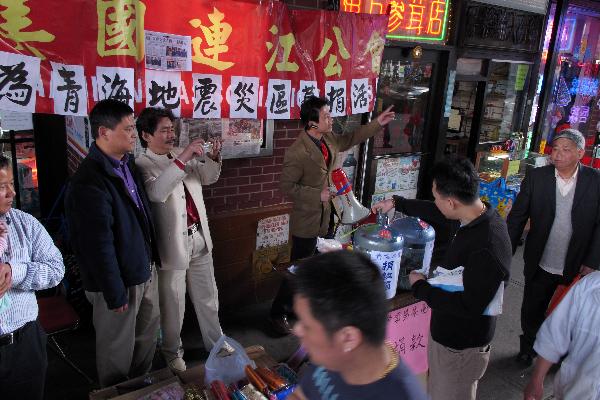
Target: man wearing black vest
[562, 201]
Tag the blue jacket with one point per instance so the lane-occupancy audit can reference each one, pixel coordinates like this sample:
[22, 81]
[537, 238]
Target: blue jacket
[113, 241]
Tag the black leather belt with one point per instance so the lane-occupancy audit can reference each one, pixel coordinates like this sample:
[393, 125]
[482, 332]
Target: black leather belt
[13, 337]
[193, 228]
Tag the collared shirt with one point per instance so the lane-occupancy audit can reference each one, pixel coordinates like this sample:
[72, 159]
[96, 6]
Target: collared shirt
[36, 264]
[322, 146]
[122, 170]
[565, 185]
[193, 216]
[572, 330]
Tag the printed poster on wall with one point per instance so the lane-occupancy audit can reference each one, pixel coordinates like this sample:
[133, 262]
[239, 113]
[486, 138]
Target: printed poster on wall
[168, 52]
[273, 231]
[399, 173]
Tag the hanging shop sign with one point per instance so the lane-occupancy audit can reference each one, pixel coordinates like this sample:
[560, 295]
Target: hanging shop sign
[212, 59]
[534, 6]
[501, 28]
[414, 20]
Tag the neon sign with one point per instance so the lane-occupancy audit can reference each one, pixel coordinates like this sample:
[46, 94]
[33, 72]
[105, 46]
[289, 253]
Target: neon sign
[419, 20]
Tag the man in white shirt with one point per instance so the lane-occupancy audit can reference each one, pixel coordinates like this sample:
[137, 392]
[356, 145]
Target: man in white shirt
[562, 201]
[571, 330]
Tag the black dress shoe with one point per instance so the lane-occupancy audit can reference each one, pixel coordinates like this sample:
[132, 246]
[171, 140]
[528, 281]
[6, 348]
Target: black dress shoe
[280, 325]
[524, 359]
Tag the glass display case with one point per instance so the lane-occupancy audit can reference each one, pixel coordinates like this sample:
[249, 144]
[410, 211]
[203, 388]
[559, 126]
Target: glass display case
[405, 85]
[489, 101]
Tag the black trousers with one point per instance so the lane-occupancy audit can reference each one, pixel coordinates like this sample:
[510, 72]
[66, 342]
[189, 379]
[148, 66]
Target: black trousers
[23, 364]
[538, 292]
[283, 302]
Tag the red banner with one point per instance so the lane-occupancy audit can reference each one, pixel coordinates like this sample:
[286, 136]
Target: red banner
[248, 60]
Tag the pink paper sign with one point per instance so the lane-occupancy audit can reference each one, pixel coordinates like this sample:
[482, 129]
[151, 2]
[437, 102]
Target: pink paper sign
[408, 332]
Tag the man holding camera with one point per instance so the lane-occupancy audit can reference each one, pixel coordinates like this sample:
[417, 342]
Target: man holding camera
[173, 179]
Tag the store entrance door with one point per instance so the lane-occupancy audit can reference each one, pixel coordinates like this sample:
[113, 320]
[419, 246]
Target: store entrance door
[488, 107]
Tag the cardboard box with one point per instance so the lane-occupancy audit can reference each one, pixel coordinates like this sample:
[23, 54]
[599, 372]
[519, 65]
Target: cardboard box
[133, 386]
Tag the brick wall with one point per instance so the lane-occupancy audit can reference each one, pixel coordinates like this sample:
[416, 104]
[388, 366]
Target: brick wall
[252, 182]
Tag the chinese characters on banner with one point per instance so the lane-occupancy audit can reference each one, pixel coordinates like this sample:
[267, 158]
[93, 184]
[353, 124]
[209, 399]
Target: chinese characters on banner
[408, 332]
[409, 19]
[204, 61]
[273, 231]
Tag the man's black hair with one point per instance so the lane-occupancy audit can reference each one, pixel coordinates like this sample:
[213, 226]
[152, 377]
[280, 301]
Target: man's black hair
[5, 162]
[344, 289]
[456, 177]
[108, 113]
[148, 120]
[310, 108]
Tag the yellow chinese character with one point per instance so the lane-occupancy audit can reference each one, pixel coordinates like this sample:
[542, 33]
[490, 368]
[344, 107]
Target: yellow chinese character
[376, 4]
[396, 15]
[15, 21]
[333, 66]
[416, 16]
[216, 36]
[121, 28]
[286, 42]
[436, 15]
[352, 5]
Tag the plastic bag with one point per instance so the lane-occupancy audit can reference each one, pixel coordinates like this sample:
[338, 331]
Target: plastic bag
[226, 362]
[452, 281]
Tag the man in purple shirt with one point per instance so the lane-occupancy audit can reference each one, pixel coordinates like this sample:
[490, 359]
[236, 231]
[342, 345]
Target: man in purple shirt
[112, 236]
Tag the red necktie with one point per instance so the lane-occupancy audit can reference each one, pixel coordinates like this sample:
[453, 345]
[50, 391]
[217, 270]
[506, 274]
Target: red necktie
[325, 152]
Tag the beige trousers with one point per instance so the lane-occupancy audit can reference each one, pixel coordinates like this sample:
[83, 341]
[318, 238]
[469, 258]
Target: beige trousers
[454, 374]
[199, 280]
[126, 342]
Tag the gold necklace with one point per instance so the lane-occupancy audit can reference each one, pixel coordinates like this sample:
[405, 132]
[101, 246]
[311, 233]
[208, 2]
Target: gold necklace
[482, 211]
[393, 362]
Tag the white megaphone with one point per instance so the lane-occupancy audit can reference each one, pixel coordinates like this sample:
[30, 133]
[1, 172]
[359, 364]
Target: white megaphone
[352, 210]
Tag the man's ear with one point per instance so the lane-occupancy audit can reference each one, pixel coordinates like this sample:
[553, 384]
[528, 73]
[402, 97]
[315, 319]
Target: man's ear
[103, 131]
[349, 338]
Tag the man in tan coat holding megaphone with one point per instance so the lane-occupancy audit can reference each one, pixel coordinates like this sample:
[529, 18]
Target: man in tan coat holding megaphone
[305, 178]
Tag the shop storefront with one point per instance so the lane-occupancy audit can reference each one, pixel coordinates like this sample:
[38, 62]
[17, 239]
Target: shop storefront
[571, 90]
[413, 78]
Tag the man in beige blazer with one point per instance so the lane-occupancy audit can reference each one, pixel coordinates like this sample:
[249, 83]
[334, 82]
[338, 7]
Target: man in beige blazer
[173, 178]
[306, 178]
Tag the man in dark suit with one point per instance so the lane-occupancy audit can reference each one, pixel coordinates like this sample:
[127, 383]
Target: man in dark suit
[562, 202]
[113, 239]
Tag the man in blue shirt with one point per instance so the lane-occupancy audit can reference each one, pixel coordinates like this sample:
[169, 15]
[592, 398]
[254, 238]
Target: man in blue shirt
[113, 239]
[29, 261]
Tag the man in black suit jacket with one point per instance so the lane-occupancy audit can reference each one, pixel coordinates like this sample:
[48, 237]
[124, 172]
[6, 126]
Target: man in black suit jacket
[562, 202]
[113, 239]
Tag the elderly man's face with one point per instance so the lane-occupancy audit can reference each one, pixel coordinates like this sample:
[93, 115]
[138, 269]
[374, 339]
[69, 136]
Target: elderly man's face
[7, 189]
[565, 154]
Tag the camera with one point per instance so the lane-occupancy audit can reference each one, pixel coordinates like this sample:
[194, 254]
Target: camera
[207, 147]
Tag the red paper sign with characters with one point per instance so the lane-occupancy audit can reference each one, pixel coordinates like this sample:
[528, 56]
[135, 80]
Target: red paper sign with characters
[246, 60]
